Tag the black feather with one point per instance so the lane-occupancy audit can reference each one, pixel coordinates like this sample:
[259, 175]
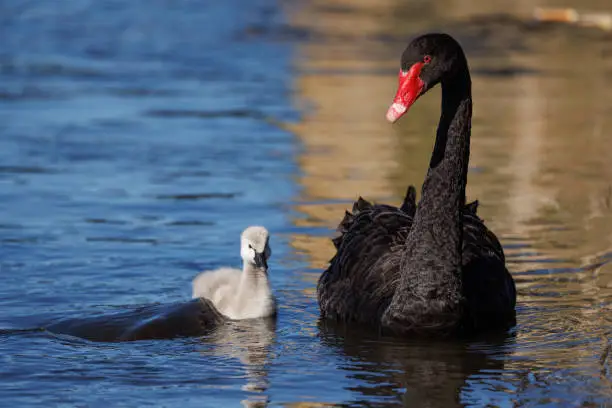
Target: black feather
[409, 205]
[472, 207]
[337, 241]
[361, 205]
[346, 222]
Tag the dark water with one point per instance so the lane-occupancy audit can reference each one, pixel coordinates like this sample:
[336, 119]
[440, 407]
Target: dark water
[137, 139]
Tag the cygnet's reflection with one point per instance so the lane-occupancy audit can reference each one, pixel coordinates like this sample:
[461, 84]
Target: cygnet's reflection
[249, 341]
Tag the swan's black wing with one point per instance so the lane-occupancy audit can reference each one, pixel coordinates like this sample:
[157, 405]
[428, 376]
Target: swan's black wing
[193, 318]
[488, 287]
[360, 281]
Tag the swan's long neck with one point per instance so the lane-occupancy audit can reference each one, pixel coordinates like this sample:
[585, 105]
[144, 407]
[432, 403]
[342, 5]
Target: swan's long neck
[429, 290]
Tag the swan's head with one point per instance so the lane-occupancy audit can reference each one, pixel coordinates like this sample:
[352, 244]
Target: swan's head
[255, 247]
[428, 60]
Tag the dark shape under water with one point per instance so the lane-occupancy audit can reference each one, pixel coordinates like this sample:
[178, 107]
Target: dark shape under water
[186, 319]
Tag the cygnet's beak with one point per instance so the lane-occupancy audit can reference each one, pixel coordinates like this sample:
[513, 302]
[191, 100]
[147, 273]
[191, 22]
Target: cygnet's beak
[260, 260]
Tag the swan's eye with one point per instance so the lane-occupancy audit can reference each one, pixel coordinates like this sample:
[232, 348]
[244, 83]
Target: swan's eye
[250, 246]
[427, 59]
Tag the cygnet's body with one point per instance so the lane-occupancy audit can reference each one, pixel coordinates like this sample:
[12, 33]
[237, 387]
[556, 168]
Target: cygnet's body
[242, 294]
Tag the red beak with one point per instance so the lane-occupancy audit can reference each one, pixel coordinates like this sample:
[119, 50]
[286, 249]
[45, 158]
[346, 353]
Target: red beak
[408, 90]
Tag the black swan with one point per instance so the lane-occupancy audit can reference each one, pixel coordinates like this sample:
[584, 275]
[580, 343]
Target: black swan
[435, 268]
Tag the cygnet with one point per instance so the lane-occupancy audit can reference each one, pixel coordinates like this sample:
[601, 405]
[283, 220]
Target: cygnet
[242, 294]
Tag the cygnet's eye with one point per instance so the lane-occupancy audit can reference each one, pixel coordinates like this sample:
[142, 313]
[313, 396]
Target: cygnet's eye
[250, 246]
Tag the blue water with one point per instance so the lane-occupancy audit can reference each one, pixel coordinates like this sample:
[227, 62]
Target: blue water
[137, 140]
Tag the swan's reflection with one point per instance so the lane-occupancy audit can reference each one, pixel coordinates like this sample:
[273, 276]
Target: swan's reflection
[417, 373]
[251, 342]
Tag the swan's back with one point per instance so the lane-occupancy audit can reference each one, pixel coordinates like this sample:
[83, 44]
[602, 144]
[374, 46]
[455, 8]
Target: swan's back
[363, 274]
[360, 281]
[488, 288]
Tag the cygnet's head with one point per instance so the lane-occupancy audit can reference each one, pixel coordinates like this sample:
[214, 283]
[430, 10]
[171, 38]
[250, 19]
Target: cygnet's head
[254, 247]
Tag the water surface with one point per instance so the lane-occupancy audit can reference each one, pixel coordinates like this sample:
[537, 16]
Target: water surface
[137, 140]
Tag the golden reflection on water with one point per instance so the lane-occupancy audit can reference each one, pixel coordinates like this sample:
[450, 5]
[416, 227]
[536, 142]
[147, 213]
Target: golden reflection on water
[540, 162]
